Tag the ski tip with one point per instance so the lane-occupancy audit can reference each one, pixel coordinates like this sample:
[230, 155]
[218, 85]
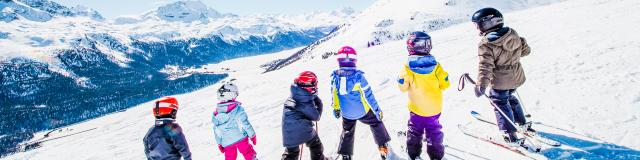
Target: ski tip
[475, 113]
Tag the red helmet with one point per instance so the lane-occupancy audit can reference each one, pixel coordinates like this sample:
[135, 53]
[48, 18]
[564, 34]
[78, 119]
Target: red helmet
[307, 80]
[347, 57]
[166, 106]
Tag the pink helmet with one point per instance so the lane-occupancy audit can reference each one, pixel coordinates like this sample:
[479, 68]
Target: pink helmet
[347, 57]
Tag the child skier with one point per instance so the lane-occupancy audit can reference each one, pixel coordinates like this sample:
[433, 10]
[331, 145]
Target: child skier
[165, 139]
[231, 125]
[499, 52]
[300, 111]
[424, 79]
[354, 100]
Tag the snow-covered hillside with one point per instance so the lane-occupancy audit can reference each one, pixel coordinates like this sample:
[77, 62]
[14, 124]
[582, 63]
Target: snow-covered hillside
[391, 20]
[582, 76]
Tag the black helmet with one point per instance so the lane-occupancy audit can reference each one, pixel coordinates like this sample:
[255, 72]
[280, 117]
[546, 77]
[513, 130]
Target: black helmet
[419, 43]
[487, 19]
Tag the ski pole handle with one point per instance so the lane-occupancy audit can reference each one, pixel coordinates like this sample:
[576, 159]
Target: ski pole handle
[461, 82]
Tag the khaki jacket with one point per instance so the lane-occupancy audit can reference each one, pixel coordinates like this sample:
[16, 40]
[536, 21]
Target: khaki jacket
[499, 64]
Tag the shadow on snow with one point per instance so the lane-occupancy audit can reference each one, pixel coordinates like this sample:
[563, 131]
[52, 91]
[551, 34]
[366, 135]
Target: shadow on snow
[584, 149]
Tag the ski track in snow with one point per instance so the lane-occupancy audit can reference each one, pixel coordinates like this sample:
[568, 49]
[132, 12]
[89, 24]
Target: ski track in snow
[582, 76]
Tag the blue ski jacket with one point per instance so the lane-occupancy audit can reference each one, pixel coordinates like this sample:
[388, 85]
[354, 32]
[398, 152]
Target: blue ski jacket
[352, 94]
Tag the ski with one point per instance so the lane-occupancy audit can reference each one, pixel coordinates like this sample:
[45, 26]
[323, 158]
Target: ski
[37, 143]
[494, 142]
[531, 135]
[454, 156]
[466, 152]
[402, 137]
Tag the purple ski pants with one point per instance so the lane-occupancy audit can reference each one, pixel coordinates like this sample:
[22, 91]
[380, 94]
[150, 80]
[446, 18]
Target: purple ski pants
[429, 127]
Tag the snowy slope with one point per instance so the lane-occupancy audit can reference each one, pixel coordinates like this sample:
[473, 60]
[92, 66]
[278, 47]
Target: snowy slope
[390, 20]
[581, 76]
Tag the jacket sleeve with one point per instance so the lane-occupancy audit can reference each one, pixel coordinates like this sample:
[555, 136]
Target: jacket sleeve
[366, 89]
[217, 131]
[319, 105]
[180, 143]
[146, 145]
[404, 80]
[486, 65]
[309, 111]
[443, 77]
[525, 48]
[335, 101]
[244, 120]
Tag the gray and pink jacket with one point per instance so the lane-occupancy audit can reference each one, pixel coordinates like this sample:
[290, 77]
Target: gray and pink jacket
[231, 124]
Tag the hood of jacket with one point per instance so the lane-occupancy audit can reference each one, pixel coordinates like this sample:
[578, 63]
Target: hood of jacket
[226, 107]
[300, 95]
[422, 64]
[506, 38]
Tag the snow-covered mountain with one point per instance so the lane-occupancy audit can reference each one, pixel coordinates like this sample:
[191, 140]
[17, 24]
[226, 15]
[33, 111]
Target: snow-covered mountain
[181, 11]
[42, 10]
[61, 65]
[582, 84]
[195, 19]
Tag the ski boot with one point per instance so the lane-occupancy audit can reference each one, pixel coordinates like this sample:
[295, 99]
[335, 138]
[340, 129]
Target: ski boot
[345, 157]
[527, 128]
[512, 139]
[417, 158]
[384, 151]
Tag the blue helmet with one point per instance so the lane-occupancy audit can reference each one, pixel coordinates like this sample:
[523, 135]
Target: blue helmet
[419, 43]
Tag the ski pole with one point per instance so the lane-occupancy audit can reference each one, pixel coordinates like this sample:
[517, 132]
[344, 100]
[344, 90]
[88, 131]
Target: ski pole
[522, 105]
[301, 151]
[461, 87]
[302, 145]
[466, 75]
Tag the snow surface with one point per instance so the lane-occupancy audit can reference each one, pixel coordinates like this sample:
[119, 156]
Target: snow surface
[582, 76]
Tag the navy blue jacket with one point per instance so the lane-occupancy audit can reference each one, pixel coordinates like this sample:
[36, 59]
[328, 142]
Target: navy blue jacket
[300, 110]
[165, 141]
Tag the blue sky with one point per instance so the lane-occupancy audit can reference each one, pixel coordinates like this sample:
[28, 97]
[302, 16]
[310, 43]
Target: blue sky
[114, 8]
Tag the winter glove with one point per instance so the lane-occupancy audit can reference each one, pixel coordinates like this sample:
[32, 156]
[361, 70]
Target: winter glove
[336, 113]
[253, 139]
[221, 148]
[480, 90]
